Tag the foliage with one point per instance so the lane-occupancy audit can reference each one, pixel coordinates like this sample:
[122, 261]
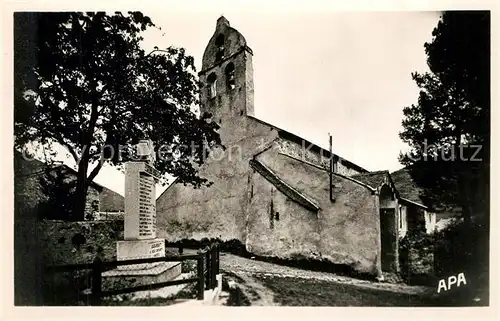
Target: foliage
[414, 249]
[59, 188]
[65, 288]
[83, 81]
[462, 248]
[453, 109]
[188, 266]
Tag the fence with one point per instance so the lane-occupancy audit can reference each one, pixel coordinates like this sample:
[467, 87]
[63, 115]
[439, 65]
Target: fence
[207, 268]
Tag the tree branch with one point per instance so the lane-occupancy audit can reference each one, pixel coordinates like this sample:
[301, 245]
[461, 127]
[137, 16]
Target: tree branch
[155, 50]
[95, 171]
[58, 137]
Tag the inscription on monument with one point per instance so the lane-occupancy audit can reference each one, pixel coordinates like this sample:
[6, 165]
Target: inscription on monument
[152, 171]
[157, 249]
[147, 210]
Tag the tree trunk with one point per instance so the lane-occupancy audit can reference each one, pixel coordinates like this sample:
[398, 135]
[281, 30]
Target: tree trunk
[80, 197]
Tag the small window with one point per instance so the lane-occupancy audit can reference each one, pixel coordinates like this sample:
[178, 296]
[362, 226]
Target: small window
[230, 80]
[219, 43]
[212, 85]
[277, 216]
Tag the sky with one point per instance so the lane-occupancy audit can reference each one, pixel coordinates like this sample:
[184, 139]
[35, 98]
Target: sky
[343, 73]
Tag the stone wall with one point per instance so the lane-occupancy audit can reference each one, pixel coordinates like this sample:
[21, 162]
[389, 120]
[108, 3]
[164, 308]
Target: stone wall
[305, 152]
[277, 226]
[42, 243]
[69, 242]
[217, 211]
[343, 232]
[110, 201]
[27, 191]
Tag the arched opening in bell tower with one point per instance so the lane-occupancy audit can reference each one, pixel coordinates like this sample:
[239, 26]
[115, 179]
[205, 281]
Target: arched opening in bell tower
[230, 79]
[212, 85]
[219, 43]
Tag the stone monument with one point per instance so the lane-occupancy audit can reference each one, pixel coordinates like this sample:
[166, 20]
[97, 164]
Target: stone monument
[140, 239]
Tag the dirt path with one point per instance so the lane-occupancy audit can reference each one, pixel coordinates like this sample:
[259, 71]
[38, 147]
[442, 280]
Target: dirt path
[247, 268]
[259, 294]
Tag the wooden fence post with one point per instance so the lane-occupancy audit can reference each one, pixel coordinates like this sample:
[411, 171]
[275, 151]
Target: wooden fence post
[217, 261]
[200, 275]
[213, 268]
[209, 268]
[96, 281]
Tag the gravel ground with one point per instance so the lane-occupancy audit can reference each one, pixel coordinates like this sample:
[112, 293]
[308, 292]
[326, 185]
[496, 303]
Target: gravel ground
[245, 268]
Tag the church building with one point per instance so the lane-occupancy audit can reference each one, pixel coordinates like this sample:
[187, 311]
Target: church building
[271, 188]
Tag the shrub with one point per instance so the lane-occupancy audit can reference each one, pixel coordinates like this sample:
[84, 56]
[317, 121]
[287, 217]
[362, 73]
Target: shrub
[460, 248]
[188, 266]
[416, 257]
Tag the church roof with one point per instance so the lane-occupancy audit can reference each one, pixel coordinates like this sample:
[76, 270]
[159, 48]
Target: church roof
[313, 147]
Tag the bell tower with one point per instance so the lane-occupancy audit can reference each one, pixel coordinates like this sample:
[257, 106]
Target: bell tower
[227, 79]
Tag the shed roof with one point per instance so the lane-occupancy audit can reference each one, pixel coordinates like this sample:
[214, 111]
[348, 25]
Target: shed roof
[372, 179]
[406, 186]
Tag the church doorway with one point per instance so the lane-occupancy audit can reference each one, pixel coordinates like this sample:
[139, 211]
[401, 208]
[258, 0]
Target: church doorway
[388, 230]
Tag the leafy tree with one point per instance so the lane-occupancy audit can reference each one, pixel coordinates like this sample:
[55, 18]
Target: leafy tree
[83, 81]
[448, 128]
[59, 188]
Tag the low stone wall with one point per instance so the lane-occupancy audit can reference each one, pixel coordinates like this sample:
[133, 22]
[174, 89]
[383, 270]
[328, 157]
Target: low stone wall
[42, 243]
[79, 242]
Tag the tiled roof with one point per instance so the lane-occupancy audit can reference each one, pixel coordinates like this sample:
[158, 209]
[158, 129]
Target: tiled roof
[401, 180]
[311, 146]
[406, 186]
[372, 179]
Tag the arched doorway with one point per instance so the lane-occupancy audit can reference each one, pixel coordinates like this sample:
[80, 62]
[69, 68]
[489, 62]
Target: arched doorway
[388, 229]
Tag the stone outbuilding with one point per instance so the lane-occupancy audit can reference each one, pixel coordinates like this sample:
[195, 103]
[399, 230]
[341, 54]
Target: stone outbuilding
[29, 194]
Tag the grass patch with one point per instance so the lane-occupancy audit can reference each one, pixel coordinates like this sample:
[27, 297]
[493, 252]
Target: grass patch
[188, 293]
[232, 276]
[306, 292]
[237, 296]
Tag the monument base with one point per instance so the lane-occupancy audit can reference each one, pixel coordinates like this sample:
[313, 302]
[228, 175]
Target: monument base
[139, 249]
[149, 274]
